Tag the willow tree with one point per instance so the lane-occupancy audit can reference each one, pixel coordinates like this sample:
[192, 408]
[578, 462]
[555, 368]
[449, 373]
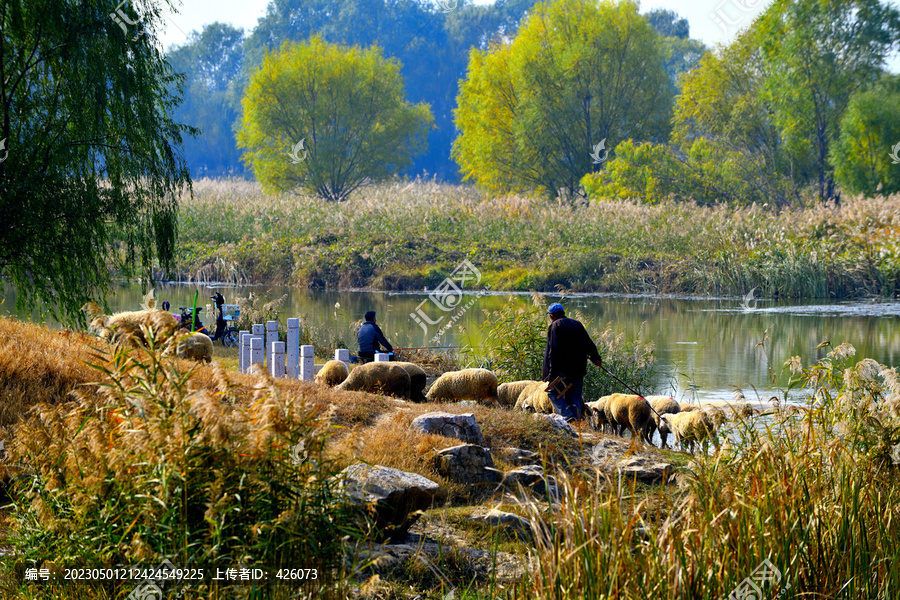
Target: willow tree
[326, 119]
[91, 164]
[541, 111]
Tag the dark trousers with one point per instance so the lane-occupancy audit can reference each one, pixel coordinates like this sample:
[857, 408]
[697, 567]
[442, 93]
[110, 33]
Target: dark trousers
[571, 405]
[366, 357]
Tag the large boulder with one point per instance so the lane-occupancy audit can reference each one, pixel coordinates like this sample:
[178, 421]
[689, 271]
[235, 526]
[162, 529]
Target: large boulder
[557, 422]
[609, 455]
[467, 463]
[392, 497]
[462, 427]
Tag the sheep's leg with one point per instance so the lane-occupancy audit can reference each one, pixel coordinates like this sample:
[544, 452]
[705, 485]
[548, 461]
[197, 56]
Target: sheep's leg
[663, 436]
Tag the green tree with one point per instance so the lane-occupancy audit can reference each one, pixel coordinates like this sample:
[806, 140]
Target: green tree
[817, 54]
[345, 104]
[870, 129]
[91, 167]
[578, 73]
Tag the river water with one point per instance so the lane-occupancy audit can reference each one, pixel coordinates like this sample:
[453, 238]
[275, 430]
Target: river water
[705, 347]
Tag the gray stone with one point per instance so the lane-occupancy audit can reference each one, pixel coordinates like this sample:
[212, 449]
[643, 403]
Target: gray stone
[462, 427]
[613, 456]
[392, 497]
[520, 457]
[467, 463]
[504, 520]
[558, 422]
[530, 477]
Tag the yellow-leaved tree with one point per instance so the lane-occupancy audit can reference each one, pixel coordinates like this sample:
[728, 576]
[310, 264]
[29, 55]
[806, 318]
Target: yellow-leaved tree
[327, 119]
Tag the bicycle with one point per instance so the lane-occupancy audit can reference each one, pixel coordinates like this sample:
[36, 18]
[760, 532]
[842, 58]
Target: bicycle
[229, 337]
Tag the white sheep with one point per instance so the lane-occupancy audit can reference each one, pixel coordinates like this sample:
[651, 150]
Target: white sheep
[508, 393]
[691, 427]
[378, 378]
[332, 373]
[469, 384]
[599, 419]
[534, 398]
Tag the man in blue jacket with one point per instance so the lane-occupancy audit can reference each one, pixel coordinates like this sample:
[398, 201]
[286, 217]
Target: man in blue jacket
[371, 339]
[568, 348]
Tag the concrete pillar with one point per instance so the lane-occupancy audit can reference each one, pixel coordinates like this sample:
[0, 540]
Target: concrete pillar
[382, 357]
[259, 331]
[276, 360]
[271, 335]
[342, 355]
[244, 338]
[292, 366]
[307, 369]
[256, 351]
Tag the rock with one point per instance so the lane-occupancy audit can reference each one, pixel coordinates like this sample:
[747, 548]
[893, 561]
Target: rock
[558, 422]
[392, 497]
[462, 427]
[609, 455]
[497, 518]
[468, 464]
[530, 477]
[520, 457]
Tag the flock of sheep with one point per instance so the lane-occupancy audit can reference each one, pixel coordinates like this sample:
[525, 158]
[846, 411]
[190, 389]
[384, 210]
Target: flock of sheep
[614, 413]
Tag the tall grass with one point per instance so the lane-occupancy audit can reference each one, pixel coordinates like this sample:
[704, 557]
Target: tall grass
[816, 495]
[143, 466]
[406, 235]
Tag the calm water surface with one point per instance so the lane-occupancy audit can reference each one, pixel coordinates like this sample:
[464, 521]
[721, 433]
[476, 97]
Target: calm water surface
[705, 347]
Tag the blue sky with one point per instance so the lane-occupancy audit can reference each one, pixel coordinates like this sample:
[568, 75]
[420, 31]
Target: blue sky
[713, 21]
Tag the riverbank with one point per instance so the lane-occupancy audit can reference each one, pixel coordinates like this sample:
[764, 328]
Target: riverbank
[407, 236]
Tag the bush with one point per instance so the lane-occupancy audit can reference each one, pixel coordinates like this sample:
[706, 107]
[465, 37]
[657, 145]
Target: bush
[140, 468]
[515, 338]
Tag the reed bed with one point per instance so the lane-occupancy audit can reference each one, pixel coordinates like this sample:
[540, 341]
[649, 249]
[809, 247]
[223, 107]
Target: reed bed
[406, 235]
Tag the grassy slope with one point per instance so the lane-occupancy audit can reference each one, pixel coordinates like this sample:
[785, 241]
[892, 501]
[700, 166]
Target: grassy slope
[406, 236]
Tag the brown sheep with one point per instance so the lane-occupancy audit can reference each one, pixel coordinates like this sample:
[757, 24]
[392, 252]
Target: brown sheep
[661, 405]
[508, 393]
[332, 373]
[378, 378]
[687, 407]
[626, 411]
[691, 427]
[533, 397]
[195, 346]
[127, 328]
[417, 380]
[597, 414]
[469, 384]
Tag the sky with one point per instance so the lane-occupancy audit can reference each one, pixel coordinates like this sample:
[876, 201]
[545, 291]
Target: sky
[712, 21]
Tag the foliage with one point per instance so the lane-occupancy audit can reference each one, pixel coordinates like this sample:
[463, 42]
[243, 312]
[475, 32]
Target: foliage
[530, 112]
[869, 128]
[143, 469]
[795, 490]
[211, 61]
[406, 235]
[515, 338]
[255, 311]
[346, 104]
[818, 53]
[91, 163]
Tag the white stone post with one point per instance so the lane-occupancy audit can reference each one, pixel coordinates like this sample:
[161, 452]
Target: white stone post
[259, 331]
[271, 336]
[256, 351]
[244, 337]
[382, 357]
[276, 362]
[292, 366]
[307, 368]
[342, 355]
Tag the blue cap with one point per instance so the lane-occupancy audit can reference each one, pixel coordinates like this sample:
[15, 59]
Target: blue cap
[556, 307]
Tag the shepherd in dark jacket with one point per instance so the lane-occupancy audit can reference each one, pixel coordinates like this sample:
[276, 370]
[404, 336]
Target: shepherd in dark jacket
[371, 339]
[568, 348]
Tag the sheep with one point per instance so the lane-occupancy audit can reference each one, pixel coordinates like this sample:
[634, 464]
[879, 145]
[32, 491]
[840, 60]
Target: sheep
[743, 410]
[378, 378]
[195, 346]
[417, 380]
[469, 384]
[597, 413]
[690, 427]
[534, 397]
[127, 328]
[717, 417]
[686, 407]
[626, 411]
[661, 405]
[508, 393]
[332, 373]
